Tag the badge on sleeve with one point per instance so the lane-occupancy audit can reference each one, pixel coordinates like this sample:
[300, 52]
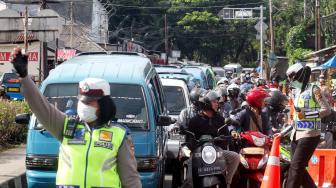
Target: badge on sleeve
[105, 136]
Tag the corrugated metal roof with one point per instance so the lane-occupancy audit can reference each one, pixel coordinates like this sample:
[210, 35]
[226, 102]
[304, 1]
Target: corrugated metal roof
[115, 68]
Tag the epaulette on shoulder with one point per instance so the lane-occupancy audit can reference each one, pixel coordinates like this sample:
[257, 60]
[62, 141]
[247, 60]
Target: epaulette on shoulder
[119, 125]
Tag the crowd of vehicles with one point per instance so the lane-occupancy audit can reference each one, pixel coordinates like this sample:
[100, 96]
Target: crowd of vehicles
[149, 99]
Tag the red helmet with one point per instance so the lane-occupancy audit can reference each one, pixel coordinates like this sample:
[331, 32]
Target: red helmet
[256, 96]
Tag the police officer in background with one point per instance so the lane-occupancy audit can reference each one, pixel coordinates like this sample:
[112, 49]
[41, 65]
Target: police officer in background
[310, 106]
[94, 151]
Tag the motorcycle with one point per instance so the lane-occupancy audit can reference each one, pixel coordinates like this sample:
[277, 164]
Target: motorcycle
[254, 153]
[206, 166]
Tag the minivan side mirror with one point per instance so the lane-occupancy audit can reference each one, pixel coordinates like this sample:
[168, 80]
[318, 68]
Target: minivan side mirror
[165, 120]
[22, 119]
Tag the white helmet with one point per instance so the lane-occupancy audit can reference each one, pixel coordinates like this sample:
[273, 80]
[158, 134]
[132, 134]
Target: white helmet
[233, 86]
[222, 81]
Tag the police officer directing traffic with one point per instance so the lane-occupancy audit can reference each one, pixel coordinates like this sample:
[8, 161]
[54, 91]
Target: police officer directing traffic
[94, 151]
[310, 106]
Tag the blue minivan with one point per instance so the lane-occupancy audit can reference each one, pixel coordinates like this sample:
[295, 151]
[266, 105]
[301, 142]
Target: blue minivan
[137, 92]
[11, 85]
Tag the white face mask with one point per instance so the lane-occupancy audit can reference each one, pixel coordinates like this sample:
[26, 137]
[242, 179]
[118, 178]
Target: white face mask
[86, 113]
[296, 84]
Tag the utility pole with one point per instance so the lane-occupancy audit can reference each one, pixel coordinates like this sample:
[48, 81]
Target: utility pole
[317, 26]
[304, 8]
[261, 40]
[71, 23]
[166, 37]
[26, 30]
[271, 25]
[56, 53]
[44, 59]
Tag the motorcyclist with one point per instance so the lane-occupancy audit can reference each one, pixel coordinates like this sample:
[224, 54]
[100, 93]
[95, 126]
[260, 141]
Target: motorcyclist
[252, 118]
[325, 89]
[261, 83]
[228, 75]
[310, 106]
[224, 106]
[186, 114]
[208, 121]
[275, 105]
[223, 82]
[95, 110]
[233, 94]
[275, 83]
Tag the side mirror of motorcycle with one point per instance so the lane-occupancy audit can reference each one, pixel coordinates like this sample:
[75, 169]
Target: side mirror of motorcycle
[221, 129]
[22, 119]
[285, 111]
[230, 121]
[165, 120]
[189, 133]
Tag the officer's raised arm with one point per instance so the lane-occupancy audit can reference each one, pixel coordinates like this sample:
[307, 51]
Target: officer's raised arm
[49, 116]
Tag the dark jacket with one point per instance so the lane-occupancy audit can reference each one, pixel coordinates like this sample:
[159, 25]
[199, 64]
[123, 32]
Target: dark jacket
[245, 117]
[203, 125]
[183, 119]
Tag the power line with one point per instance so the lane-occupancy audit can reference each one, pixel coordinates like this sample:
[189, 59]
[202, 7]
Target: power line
[165, 7]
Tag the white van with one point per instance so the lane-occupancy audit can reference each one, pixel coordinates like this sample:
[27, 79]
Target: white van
[235, 68]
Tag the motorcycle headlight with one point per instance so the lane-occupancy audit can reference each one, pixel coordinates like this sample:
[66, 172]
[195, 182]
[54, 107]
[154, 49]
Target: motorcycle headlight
[209, 154]
[258, 141]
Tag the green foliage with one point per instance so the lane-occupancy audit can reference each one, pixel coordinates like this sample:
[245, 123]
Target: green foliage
[195, 28]
[196, 18]
[297, 54]
[296, 38]
[10, 132]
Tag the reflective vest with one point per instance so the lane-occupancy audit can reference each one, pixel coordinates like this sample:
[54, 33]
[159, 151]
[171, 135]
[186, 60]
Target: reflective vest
[305, 102]
[89, 159]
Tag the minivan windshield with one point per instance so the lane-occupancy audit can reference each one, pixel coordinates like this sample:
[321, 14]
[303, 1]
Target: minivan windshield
[129, 101]
[175, 99]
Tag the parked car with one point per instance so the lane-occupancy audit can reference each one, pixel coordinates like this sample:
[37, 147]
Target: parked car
[137, 92]
[10, 85]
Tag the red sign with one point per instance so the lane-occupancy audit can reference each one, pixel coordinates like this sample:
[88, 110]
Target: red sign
[5, 56]
[33, 56]
[65, 54]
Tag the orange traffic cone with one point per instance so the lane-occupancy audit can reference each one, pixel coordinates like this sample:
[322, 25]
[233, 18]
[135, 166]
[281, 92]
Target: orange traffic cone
[272, 173]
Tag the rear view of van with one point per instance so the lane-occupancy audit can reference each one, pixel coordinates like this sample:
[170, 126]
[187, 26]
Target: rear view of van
[235, 68]
[137, 92]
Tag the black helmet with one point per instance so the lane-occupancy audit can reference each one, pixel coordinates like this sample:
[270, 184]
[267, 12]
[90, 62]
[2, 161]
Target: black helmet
[195, 94]
[275, 100]
[221, 91]
[206, 98]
